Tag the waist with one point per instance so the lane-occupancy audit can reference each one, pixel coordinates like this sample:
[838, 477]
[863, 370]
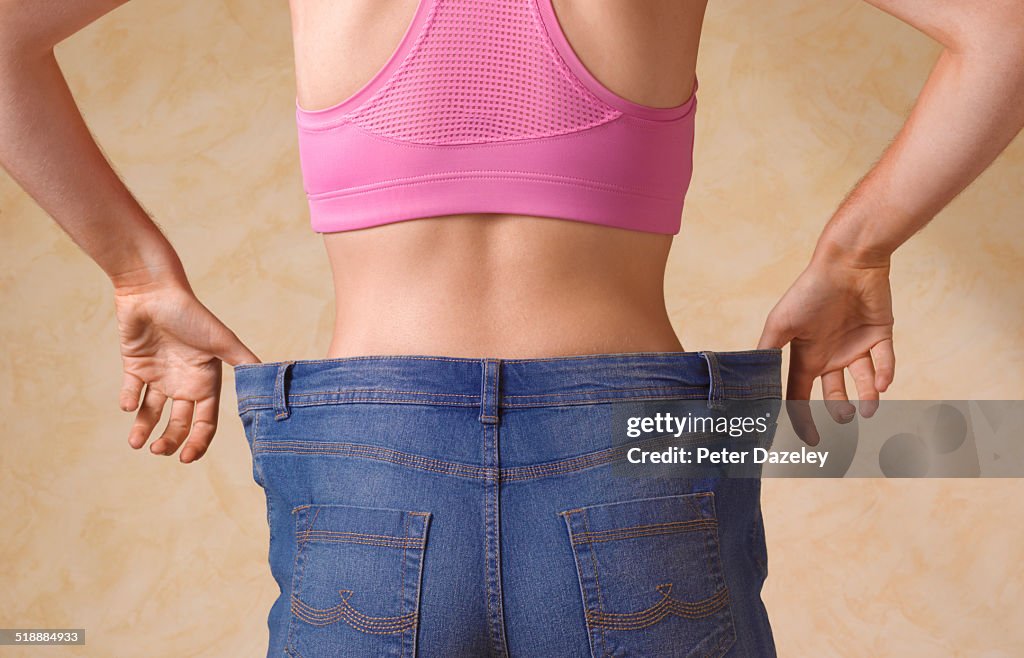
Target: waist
[500, 286]
[512, 383]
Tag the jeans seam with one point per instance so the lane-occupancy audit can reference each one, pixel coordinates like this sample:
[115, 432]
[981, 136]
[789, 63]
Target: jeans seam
[746, 388]
[745, 355]
[456, 469]
[667, 528]
[597, 579]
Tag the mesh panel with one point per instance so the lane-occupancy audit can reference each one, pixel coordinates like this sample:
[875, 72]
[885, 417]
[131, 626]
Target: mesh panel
[481, 71]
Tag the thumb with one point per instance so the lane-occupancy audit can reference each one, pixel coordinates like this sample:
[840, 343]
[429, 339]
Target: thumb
[226, 346]
[774, 334]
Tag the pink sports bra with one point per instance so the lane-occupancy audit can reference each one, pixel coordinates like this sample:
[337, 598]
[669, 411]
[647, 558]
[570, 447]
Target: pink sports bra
[485, 108]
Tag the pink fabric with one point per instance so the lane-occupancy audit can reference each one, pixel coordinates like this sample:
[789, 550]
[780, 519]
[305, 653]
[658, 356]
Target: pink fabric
[484, 108]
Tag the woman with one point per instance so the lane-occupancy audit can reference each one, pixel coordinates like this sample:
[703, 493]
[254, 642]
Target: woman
[441, 482]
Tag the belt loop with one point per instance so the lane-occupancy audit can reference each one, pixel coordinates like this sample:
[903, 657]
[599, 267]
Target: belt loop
[281, 410]
[715, 389]
[489, 394]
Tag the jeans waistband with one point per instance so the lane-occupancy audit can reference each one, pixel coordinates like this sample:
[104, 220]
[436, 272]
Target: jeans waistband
[493, 383]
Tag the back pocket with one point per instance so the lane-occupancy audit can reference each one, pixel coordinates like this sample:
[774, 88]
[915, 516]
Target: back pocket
[651, 577]
[356, 581]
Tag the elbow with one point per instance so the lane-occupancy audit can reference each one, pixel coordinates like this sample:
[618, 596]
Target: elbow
[997, 30]
[14, 51]
[20, 39]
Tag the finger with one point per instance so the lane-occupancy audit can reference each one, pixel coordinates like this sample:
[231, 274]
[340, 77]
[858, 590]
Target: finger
[833, 391]
[131, 388]
[799, 412]
[798, 394]
[801, 375]
[885, 363]
[203, 428]
[863, 373]
[149, 415]
[177, 428]
[774, 334]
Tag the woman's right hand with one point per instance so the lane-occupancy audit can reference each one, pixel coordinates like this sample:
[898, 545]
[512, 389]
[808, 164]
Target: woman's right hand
[173, 345]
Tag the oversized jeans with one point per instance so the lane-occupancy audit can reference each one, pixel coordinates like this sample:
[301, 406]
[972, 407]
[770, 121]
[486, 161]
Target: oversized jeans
[457, 507]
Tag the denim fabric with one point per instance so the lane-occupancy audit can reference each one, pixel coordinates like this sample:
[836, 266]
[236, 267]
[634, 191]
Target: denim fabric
[435, 506]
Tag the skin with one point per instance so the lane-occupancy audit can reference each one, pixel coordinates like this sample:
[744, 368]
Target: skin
[504, 285]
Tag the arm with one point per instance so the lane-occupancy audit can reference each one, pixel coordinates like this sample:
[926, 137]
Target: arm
[46, 147]
[170, 342]
[837, 315]
[968, 111]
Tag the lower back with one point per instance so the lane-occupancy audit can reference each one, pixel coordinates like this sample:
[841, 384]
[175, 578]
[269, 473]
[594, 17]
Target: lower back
[498, 285]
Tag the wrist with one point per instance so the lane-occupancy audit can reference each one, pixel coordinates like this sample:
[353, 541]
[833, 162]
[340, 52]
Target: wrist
[149, 266]
[848, 251]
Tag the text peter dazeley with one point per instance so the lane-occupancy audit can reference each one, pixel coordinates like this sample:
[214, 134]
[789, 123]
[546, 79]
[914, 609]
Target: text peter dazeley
[725, 456]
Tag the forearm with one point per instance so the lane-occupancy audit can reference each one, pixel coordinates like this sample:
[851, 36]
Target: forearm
[970, 108]
[47, 148]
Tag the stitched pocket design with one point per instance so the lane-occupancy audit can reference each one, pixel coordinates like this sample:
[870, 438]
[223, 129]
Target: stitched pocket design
[356, 582]
[651, 577]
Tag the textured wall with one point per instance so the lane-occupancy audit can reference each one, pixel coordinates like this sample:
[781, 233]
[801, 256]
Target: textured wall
[194, 103]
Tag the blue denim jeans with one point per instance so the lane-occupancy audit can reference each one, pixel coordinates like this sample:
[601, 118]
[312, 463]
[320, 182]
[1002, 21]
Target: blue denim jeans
[456, 507]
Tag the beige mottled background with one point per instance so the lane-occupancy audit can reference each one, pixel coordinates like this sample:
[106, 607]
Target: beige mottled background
[193, 102]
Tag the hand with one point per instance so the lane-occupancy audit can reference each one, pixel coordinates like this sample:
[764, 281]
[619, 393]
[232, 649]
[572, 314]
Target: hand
[837, 315]
[174, 346]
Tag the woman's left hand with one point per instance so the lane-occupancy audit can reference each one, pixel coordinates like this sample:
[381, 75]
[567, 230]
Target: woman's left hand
[837, 315]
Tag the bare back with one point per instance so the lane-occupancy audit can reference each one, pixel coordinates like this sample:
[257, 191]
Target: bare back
[508, 286]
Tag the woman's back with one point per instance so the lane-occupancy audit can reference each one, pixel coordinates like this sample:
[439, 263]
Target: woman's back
[513, 285]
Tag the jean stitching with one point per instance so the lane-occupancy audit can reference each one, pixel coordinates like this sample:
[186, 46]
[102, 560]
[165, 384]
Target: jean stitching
[405, 532]
[623, 390]
[420, 466]
[376, 452]
[352, 616]
[474, 403]
[296, 584]
[441, 394]
[597, 576]
[358, 400]
[345, 611]
[366, 390]
[332, 537]
[487, 524]
[725, 585]
[748, 393]
[495, 400]
[736, 354]
[424, 521]
[668, 605]
[367, 451]
[588, 400]
[644, 531]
